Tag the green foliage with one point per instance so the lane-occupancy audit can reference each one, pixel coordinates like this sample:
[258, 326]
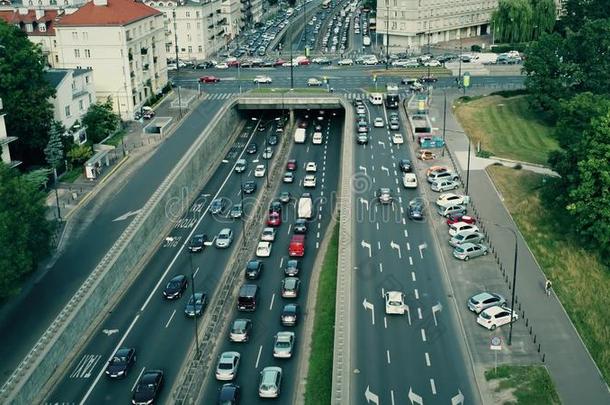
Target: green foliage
[26, 232]
[54, 152]
[523, 20]
[509, 93]
[79, 154]
[502, 48]
[25, 94]
[578, 12]
[588, 49]
[100, 121]
[475, 48]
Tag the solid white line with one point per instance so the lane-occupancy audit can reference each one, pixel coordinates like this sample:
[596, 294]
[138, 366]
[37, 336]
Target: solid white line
[423, 335]
[392, 396]
[416, 294]
[419, 313]
[196, 271]
[99, 375]
[272, 299]
[133, 387]
[260, 349]
[170, 318]
[387, 352]
[427, 359]
[413, 276]
[433, 386]
[410, 260]
[289, 228]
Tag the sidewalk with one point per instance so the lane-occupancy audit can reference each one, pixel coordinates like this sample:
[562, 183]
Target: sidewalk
[573, 371]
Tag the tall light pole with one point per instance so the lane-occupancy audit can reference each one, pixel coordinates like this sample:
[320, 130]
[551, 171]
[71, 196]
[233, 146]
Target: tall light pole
[444, 121]
[177, 60]
[468, 166]
[512, 301]
[194, 303]
[459, 78]
[387, 35]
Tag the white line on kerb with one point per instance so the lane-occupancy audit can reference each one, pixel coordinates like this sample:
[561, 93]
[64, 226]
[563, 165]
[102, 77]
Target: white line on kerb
[260, 349]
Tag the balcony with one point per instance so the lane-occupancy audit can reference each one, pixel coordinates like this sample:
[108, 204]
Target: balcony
[132, 74]
[144, 51]
[130, 56]
[145, 67]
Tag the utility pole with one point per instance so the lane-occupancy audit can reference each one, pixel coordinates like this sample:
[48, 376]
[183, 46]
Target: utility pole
[194, 303]
[444, 122]
[460, 59]
[428, 51]
[387, 34]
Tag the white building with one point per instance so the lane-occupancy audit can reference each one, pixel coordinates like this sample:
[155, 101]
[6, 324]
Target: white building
[5, 140]
[234, 10]
[123, 41]
[75, 92]
[200, 28]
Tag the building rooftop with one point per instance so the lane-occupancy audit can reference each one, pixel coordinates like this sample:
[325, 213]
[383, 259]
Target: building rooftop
[108, 13]
[38, 18]
[55, 76]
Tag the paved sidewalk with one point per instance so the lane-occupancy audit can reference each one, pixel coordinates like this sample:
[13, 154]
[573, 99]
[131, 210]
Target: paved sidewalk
[576, 376]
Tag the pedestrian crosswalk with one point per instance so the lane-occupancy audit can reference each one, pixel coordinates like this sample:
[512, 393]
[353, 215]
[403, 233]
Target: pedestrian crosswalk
[226, 96]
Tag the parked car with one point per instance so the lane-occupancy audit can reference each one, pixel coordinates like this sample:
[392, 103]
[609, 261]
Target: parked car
[444, 185]
[447, 175]
[495, 316]
[425, 154]
[262, 80]
[455, 218]
[484, 300]
[468, 251]
[466, 237]
[447, 211]
[447, 199]
[460, 227]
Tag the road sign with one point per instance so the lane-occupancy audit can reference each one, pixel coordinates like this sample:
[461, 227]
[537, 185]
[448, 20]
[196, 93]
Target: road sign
[466, 81]
[496, 343]
[375, 78]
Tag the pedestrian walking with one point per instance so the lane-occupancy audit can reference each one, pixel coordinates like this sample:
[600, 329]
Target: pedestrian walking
[547, 287]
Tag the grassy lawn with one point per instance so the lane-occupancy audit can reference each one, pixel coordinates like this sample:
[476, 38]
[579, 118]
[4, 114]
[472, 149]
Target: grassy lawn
[527, 384]
[506, 127]
[580, 280]
[319, 375]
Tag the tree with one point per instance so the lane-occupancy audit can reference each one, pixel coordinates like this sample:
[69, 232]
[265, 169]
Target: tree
[26, 234]
[544, 17]
[79, 154]
[25, 94]
[100, 121]
[578, 12]
[512, 21]
[54, 153]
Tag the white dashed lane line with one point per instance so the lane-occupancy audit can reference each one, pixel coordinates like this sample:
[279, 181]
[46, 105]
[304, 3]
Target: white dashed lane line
[423, 335]
[170, 318]
[427, 359]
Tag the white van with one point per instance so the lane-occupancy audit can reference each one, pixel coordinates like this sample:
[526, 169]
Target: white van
[376, 98]
[317, 138]
[299, 135]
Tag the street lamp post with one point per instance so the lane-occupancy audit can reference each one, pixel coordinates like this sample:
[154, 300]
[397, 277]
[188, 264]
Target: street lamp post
[444, 121]
[194, 304]
[468, 166]
[512, 301]
[387, 35]
[460, 60]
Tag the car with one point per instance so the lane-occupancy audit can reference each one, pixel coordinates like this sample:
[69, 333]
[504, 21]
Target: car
[405, 165]
[444, 185]
[362, 139]
[467, 236]
[409, 81]
[259, 171]
[285, 197]
[384, 195]
[394, 125]
[204, 65]
[121, 362]
[436, 169]
[394, 302]
[263, 249]
[268, 234]
[209, 79]
[196, 304]
[454, 218]
[240, 165]
[217, 206]
[468, 251]
[254, 269]
[236, 211]
[290, 287]
[309, 181]
[224, 238]
[268, 152]
[429, 79]
[148, 388]
[300, 226]
[292, 268]
[447, 199]
[360, 109]
[461, 226]
[197, 243]
[409, 180]
[313, 82]
[425, 154]
[249, 186]
[397, 139]
[447, 175]
[291, 165]
[317, 138]
[262, 80]
[288, 177]
[492, 317]
[378, 123]
[222, 66]
[227, 366]
[452, 210]
[272, 140]
[415, 210]
[283, 344]
[274, 219]
[345, 62]
[290, 315]
[363, 127]
[175, 287]
[270, 382]
[432, 63]
[241, 329]
[252, 148]
[228, 394]
[484, 300]
[311, 167]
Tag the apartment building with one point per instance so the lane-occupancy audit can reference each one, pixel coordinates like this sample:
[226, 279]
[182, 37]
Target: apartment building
[123, 42]
[5, 139]
[200, 28]
[234, 11]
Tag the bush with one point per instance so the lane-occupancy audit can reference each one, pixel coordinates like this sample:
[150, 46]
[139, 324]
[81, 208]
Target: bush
[518, 166]
[475, 48]
[509, 93]
[521, 47]
[484, 154]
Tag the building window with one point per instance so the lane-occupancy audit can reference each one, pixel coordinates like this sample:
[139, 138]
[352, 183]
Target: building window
[200, 48]
[190, 49]
[198, 25]
[81, 105]
[54, 43]
[42, 28]
[188, 37]
[87, 53]
[77, 53]
[56, 58]
[85, 35]
[188, 26]
[188, 14]
[197, 14]
[75, 36]
[67, 111]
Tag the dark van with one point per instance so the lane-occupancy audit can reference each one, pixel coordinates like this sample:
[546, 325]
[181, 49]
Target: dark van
[248, 294]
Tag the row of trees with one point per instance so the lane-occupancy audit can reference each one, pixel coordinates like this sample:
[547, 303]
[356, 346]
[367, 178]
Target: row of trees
[522, 20]
[568, 76]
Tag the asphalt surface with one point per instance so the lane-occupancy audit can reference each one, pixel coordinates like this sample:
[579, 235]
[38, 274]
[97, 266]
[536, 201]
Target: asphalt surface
[258, 352]
[143, 319]
[416, 356]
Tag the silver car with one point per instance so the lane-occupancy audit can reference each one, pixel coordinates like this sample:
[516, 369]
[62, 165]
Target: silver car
[283, 344]
[224, 238]
[467, 251]
[451, 210]
[484, 300]
[467, 236]
[228, 364]
[444, 185]
[240, 330]
[271, 379]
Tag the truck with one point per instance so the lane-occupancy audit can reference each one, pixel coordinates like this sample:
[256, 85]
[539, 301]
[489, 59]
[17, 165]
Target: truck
[299, 135]
[305, 206]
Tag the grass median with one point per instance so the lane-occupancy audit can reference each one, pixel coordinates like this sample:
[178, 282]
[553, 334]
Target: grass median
[579, 278]
[319, 374]
[525, 385]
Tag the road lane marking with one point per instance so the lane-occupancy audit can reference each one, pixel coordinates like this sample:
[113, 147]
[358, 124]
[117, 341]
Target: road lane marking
[392, 396]
[427, 359]
[419, 314]
[404, 222]
[170, 318]
[408, 246]
[387, 352]
[410, 260]
[195, 273]
[433, 386]
[385, 322]
[272, 299]
[282, 262]
[379, 245]
[381, 267]
[413, 276]
[258, 357]
[416, 294]
[423, 335]
[377, 225]
[133, 387]
[289, 228]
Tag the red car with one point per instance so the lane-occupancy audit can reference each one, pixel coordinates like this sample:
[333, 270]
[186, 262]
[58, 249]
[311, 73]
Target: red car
[233, 63]
[279, 62]
[209, 79]
[460, 218]
[304, 62]
[291, 165]
[274, 219]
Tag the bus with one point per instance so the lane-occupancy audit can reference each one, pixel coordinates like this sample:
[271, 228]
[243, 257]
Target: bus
[326, 4]
[392, 100]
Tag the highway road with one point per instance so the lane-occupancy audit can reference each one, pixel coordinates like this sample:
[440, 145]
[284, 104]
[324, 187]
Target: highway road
[143, 319]
[258, 352]
[406, 358]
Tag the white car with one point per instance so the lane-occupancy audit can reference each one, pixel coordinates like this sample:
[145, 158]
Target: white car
[310, 181]
[378, 123]
[345, 62]
[397, 139]
[263, 249]
[444, 185]
[432, 63]
[268, 234]
[394, 302]
[462, 226]
[495, 316]
[259, 171]
[360, 109]
[409, 180]
[224, 238]
[263, 80]
[288, 64]
[311, 167]
[268, 152]
[447, 199]
[317, 138]
[222, 66]
[313, 82]
[271, 379]
[283, 344]
[228, 364]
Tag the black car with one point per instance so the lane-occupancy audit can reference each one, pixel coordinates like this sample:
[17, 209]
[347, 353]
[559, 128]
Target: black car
[121, 362]
[300, 226]
[272, 140]
[254, 269]
[196, 304]
[362, 139]
[292, 268]
[275, 206]
[290, 315]
[197, 243]
[429, 79]
[252, 148]
[416, 209]
[249, 187]
[285, 196]
[148, 388]
[218, 205]
[228, 394]
[204, 65]
[175, 287]
[405, 165]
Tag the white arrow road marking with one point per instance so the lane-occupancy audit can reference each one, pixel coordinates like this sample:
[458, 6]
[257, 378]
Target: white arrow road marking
[458, 399]
[365, 202]
[370, 397]
[110, 332]
[127, 215]
[363, 169]
[366, 246]
[381, 143]
[368, 305]
[414, 398]
[421, 249]
[385, 169]
[396, 246]
[436, 308]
